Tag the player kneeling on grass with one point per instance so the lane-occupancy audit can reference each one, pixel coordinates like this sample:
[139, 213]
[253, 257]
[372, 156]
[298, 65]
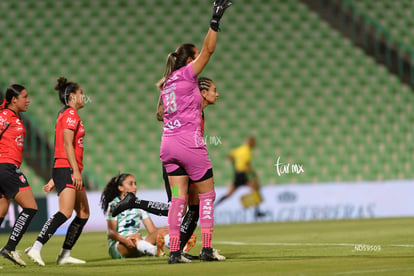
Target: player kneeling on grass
[124, 230]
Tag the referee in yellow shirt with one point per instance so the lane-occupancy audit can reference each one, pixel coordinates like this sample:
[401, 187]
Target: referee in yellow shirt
[241, 158]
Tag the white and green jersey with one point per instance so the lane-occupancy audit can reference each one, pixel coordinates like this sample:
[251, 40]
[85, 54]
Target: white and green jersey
[127, 222]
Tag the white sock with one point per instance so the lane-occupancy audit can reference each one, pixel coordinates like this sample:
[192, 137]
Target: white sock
[37, 245]
[167, 240]
[64, 253]
[146, 248]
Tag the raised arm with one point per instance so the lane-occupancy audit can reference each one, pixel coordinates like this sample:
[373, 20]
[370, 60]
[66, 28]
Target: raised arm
[210, 40]
[206, 52]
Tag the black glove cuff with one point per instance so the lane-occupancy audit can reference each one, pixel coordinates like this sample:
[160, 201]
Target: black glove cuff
[214, 24]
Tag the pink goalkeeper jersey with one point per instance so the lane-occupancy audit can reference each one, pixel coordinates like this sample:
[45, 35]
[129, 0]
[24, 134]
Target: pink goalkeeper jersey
[182, 102]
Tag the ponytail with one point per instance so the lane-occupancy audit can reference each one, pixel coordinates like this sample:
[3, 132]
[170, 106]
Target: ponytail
[13, 90]
[171, 59]
[3, 104]
[65, 88]
[176, 60]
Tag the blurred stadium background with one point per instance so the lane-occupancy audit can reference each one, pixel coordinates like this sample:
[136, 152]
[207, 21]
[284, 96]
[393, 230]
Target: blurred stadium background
[326, 84]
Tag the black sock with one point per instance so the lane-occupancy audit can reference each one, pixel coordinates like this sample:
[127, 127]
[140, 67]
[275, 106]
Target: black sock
[1, 220]
[50, 227]
[74, 231]
[189, 224]
[153, 207]
[20, 227]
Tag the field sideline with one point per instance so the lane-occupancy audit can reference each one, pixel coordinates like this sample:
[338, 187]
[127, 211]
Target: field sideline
[345, 247]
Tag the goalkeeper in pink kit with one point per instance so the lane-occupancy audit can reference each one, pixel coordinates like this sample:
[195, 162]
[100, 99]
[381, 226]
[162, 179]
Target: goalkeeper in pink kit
[182, 151]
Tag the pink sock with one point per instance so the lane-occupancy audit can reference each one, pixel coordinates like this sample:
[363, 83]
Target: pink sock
[207, 235]
[207, 216]
[174, 222]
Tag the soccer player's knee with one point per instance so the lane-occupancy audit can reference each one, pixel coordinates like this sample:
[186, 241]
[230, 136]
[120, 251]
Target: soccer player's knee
[210, 196]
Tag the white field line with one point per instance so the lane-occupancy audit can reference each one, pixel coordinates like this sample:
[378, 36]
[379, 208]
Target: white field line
[375, 271]
[303, 244]
[352, 272]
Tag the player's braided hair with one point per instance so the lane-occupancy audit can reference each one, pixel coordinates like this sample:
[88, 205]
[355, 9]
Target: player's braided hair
[111, 190]
[204, 83]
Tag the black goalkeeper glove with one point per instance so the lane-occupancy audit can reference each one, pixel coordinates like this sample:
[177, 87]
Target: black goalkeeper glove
[219, 7]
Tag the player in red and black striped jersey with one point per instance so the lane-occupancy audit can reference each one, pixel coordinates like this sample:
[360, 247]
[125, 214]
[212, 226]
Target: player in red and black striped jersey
[13, 183]
[66, 175]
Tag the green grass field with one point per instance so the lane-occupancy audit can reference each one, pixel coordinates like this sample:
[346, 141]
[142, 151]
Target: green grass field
[348, 247]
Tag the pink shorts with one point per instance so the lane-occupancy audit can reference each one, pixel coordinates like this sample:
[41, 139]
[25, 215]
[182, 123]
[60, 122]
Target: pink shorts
[186, 152]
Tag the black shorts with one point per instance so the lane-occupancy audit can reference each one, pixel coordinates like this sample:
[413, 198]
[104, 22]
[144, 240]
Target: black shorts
[12, 180]
[240, 179]
[63, 178]
[181, 171]
[166, 183]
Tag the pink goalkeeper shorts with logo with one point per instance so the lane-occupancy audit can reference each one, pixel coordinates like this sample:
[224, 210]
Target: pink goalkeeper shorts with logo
[186, 151]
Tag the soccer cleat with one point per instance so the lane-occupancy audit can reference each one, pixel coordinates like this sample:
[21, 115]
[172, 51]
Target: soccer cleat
[217, 255]
[12, 256]
[68, 260]
[190, 244]
[124, 204]
[34, 255]
[160, 246]
[177, 257]
[207, 255]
